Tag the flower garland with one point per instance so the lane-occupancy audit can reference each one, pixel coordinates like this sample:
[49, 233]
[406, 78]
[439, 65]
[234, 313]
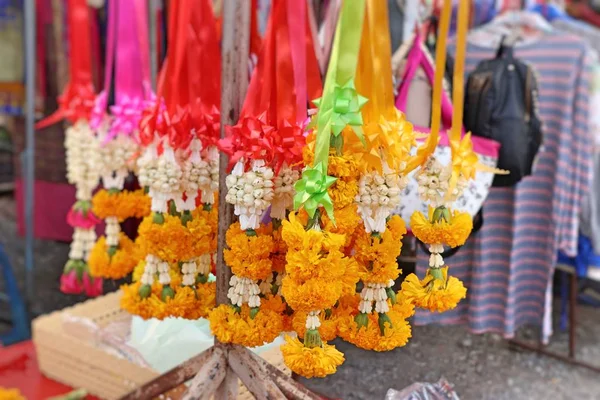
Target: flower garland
[112, 255]
[178, 250]
[318, 273]
[82, 171]
[11, 394]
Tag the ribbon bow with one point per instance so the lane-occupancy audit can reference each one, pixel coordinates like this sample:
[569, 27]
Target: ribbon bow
[150, 119]
[176, 127]
[207, 122]
[465, 162]
[389, 141]
[249, 139]
[99, 110]
[311, 190]
[287, 143]
[346, 109]
[127, 115]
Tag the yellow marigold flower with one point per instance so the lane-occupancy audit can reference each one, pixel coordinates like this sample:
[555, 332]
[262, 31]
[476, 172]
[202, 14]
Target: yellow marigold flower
[249, 256]
[347, 219]
[327, 330]
[230, 326]
[403, 307]
[370, 338]
[279, 252]
[345, 166]
[311, 362]
[175, 275]
[211, 218]
[452, 233]
[297, 238]
[137, 204]
[315, 263]
[206, 297]
[105, 204]
[432, 293]
[348, 304]
[134, 304]
[377, 255]
[397, 227]
[351, 275]
[201, 232]
[170, 241]
[313, 294]
[117, 266]
[343, 192]
[11, 394]
[273, 302]
[138, 270]
[278, 305]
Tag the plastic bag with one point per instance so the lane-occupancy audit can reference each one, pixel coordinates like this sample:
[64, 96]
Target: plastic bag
[167, 343]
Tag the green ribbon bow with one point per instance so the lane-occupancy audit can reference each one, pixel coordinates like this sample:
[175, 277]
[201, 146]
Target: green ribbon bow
[311, 190]
[347, 104]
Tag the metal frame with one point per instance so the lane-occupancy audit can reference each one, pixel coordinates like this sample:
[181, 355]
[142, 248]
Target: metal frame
[18, 319]
[539, 347]
[29, 156]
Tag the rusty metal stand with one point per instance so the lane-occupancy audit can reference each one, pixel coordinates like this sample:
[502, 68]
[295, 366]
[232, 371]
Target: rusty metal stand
[214, 373]
[540, 347]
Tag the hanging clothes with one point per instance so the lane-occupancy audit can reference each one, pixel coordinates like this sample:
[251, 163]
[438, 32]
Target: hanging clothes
[509, 263]
[590, 213]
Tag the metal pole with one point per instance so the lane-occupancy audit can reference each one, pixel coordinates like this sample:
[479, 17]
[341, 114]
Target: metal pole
[30, 62]
[153, 50]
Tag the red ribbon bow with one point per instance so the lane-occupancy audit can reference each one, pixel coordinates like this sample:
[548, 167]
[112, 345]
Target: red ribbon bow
[250, 139]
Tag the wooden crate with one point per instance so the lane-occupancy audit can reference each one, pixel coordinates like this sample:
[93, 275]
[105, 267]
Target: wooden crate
[75, 359]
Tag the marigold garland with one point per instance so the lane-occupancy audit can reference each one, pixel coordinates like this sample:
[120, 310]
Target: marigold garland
[111, 204]
[439, 294]
[397, 330]
[109, 263]
[451, 229]
[188, 302]
[313, 294]
[172, 241]
[347, 220]
[11, 394]
[139, 203]
[377, 254]
[315, 362]
[231, 325]
[248, 256]
[329, 324]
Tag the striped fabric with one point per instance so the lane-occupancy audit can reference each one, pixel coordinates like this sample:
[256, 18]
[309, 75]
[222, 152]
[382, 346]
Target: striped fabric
[509, 263]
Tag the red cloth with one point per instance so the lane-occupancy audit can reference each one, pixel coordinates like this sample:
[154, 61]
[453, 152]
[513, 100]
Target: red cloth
[51, 205]
[19, 369]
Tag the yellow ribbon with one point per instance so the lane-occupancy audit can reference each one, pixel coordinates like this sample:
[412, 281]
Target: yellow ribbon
[465, 161]
[427, 149]
[389, 136]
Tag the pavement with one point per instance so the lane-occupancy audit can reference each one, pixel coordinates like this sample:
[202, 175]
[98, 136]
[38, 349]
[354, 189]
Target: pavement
[481, 367]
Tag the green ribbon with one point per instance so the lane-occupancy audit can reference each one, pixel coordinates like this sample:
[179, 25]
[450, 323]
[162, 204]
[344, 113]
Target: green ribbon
[346, 110]
[340, 104]
[338, 107]
[311, 190]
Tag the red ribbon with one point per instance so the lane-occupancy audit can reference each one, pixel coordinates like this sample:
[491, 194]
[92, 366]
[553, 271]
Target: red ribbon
[250, 139]
[276, 103]
[77, 100]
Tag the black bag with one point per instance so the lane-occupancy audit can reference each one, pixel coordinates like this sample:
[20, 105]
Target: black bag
[501, 104]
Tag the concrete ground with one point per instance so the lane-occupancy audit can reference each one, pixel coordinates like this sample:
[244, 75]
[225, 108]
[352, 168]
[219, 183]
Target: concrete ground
[482, 367]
